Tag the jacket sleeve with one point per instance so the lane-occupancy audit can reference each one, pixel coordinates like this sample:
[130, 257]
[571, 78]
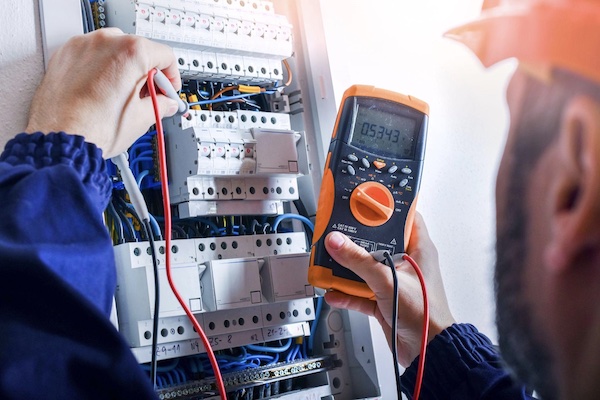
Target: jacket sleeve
[461, 363]
[58, 275]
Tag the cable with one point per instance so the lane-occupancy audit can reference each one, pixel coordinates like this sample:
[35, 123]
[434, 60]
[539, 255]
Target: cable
[227, 98]
[425, 333]
[126, 223]
[139, 159]
[141, 177]
[119, 223]
[140, 211]
[269, 349]
[390, 263]
[313, 327]
[280, 218]
[220, 92]
[425, 329]
[167, 211]
[154, 347]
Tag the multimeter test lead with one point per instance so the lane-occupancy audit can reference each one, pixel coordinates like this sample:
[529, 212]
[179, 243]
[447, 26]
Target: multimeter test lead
[164, 85]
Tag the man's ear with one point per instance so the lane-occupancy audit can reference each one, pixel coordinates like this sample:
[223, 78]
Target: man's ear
[576, 199]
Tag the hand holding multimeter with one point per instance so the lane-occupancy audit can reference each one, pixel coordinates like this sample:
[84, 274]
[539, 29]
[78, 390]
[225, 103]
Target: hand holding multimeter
[371, 180]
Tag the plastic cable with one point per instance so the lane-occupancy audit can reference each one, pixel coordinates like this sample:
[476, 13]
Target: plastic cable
[122, 163]
[165, 86]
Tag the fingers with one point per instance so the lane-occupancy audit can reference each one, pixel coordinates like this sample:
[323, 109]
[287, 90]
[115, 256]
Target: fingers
[358, 260]
[163, 58]
[166, 108]
[420, 235]
[342, 300]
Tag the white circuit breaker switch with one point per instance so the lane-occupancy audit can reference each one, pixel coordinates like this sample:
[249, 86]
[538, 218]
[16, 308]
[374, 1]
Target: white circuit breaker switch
[219, 158]
[284, 277]
[248, 166]
[232, 283]
[276, 152]
[234, 161]
[135, 284]
[159, 29]
[173, 23]
[143, 23]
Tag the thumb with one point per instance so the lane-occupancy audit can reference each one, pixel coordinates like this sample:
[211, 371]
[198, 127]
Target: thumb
[167, 107]
[358, 260]
[144, 110]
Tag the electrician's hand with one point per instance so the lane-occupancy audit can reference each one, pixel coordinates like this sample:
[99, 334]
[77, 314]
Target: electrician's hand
[95, 86]
[410, 298]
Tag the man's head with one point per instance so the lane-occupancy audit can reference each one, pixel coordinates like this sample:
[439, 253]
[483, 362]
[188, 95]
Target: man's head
[548, 191]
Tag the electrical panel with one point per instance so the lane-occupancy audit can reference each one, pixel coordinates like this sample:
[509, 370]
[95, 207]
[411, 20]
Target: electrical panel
[242, 167]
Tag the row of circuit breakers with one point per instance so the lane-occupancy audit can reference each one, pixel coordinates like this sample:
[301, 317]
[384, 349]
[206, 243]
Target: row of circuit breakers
[244, 289]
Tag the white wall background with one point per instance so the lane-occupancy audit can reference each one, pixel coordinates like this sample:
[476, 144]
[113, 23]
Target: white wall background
[21, 64]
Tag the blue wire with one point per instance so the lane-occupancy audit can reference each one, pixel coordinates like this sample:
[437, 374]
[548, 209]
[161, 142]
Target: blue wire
[259, 357]
[163, 368]
[155, 227]
[296, 351]
[275, 359]
[289, 356]
[127, 223]
[145, 153]
[313, 328]
[280, 218]
[268, 349]
[137, 146]
[241, 357]
[138, 160]
[170, 378]
[141, 177]
[153, 222]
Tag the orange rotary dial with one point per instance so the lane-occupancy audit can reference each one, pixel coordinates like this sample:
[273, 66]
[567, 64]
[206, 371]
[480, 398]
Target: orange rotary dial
[372, 204]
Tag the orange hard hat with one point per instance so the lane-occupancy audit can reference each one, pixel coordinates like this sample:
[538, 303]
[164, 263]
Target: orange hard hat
[544, 34]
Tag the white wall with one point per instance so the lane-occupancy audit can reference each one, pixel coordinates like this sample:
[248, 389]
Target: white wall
[21, 64]
[398, 45]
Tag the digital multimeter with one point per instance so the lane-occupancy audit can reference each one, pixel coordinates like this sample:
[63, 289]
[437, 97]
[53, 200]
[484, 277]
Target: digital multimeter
[371, 180]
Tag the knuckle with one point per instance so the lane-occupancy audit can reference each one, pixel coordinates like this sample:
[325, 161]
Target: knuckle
[133, 45]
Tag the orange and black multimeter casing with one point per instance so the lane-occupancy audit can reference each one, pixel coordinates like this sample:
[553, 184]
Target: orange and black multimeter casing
[371, 180]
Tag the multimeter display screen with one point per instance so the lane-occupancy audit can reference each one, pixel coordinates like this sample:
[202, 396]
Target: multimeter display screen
[384, 133]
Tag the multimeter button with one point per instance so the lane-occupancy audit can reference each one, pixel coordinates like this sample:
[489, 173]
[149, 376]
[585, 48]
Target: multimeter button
[392, 169]
[365, 163]
[351, 170]
[379, 164]
[403, 182]
[406, 170]
[352, 157]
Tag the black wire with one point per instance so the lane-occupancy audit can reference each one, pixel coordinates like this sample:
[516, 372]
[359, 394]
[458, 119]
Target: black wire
[150, 236]
[390, 262]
